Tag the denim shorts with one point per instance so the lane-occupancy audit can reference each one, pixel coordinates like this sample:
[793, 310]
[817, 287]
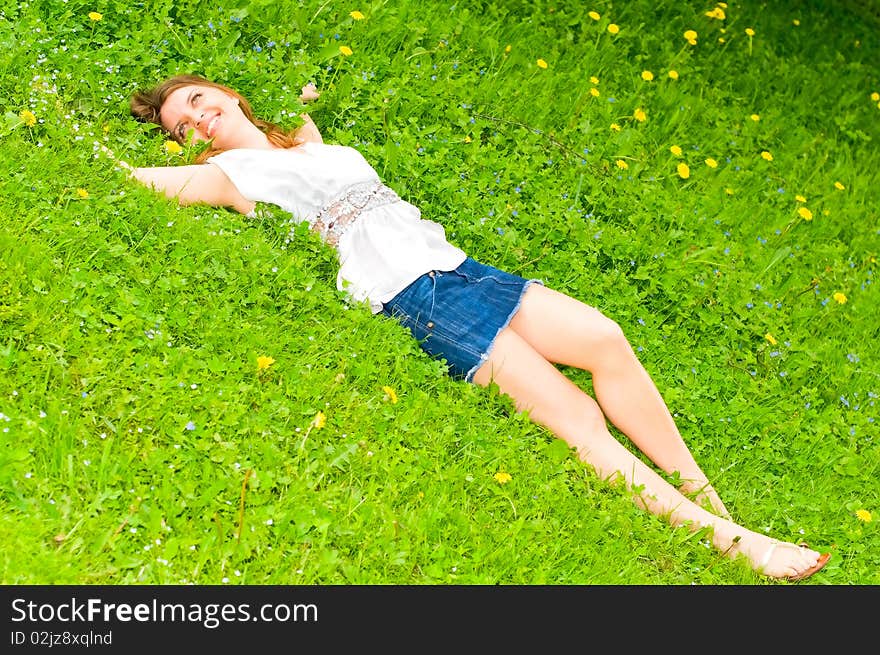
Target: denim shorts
[456, 315]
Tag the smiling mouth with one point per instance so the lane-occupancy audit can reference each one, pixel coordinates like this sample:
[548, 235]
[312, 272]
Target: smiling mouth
[212, 126]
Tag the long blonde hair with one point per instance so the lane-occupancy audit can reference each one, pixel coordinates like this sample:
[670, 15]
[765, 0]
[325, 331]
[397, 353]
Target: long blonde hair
[146, 105]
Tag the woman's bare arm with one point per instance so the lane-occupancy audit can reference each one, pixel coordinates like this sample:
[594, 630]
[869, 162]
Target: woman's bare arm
[308, 131]
[194, 184]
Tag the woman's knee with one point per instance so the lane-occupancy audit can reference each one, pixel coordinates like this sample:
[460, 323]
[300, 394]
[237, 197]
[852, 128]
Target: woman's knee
[603, 337]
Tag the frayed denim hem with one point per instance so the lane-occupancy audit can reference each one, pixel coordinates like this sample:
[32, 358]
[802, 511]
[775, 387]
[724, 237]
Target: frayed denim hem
[484, 357]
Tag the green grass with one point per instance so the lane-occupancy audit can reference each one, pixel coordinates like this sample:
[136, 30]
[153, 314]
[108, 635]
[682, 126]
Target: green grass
[132, 408]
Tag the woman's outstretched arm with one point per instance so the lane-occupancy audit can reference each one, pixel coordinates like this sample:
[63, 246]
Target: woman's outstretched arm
[308, 131]
[193, 184]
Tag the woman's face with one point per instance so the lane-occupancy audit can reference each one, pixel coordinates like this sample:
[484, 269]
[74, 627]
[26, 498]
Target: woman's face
[202, 113]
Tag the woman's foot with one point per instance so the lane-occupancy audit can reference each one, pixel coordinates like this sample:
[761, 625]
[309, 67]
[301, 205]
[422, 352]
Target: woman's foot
[779, 559]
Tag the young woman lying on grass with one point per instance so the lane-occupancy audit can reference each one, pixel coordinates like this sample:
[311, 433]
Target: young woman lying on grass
[485, 324]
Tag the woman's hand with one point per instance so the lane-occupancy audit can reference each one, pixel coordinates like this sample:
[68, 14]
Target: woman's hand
[309, 92]
[122, 164]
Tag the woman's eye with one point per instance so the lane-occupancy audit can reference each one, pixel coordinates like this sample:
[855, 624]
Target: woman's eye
[195, 97]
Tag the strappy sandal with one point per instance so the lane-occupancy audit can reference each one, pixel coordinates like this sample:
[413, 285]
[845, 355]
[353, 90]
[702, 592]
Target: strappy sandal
[821, 562]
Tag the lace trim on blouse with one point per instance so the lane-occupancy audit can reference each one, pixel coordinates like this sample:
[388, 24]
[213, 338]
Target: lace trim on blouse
[338, 215]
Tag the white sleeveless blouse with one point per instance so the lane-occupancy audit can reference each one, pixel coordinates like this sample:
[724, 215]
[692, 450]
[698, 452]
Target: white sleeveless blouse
[382, 242]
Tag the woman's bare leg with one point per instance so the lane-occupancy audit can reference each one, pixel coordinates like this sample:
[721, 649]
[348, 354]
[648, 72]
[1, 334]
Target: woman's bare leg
[555, 402]
[566, 331]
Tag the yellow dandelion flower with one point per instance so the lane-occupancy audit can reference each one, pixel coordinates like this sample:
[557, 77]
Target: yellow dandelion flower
[683, 171]
[839, 186]
[675, 150]
[750, 31]
[344, 49]
[95, 16]
[800, 198]
[875, 96]
[718, 13]
[319, 421]
[594, 15]
[173, 147]
[467, 138]
[594, 92]
[673, 75]
[795, 22]
[864, 515]
[711, 163]
[389, 392]
[721, 39]
[615, 127]
[766, 155]
[839, 297]
[28, 118]
[639, 115]
[728, 191]
[770, 338]
[508, 48]
[541, 63]
[614, 29]
[264, 362]
[356, 15]
[621, 164]
[805, 213]
[755, 117]
[691, 37]
[594, 79]
[82, 193]
[502, 477]
[647, 76]
[723, 5]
